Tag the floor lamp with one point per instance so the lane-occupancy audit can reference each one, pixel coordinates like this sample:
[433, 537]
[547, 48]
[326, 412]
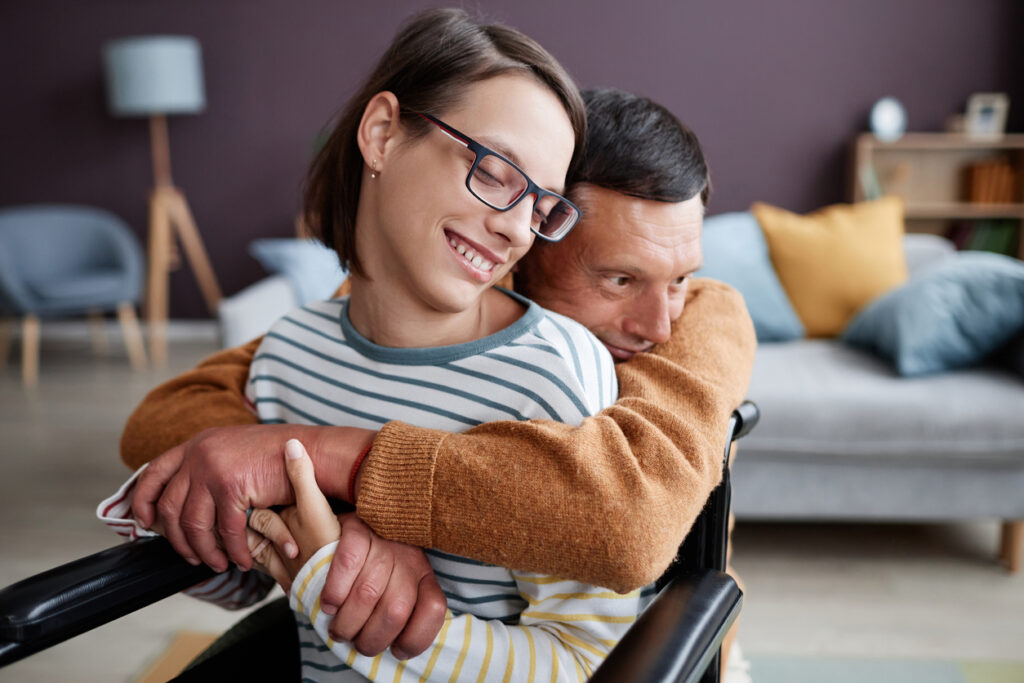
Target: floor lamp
[155, 76]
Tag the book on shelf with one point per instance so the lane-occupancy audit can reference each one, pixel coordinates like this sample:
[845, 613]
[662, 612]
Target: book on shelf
[991, 181]
[998, 236]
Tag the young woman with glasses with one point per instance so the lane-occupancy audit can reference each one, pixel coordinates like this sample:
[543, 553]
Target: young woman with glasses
[435, 181]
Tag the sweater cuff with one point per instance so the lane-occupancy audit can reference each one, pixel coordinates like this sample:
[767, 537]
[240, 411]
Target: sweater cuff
[395, 495]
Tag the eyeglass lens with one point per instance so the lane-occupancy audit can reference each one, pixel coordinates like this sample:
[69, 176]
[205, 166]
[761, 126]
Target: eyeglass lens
[500, 184]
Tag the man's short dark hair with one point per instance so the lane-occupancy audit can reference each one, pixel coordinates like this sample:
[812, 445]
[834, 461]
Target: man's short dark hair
[639, 148]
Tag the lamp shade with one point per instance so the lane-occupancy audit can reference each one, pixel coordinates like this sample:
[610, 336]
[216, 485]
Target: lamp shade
[154, 75]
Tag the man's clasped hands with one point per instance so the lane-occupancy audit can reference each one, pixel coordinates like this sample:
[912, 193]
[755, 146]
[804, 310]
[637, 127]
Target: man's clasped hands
[382, 593]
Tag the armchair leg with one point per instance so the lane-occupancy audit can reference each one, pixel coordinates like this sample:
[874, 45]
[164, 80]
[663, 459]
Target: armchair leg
[98, 333]
[1012, 544]
[30, 351]
[132, 335]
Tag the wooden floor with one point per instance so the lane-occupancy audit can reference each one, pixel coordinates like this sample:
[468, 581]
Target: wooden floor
[869, 590]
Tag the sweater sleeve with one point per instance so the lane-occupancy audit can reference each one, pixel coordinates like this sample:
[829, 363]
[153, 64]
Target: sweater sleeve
[566, 630]
[210, 395]
[618, 493]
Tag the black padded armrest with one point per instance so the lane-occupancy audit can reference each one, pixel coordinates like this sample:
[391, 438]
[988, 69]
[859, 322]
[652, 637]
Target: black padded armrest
[678, 635]
[68, 600]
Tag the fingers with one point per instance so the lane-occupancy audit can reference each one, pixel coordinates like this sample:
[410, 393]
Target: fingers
[197, 519]
[409, 607]
[426, 620]
[266, 558]
[272, 527]
[367, 591]
[168, 509]
[349, 558]
[232, 532]
[151, 484]
[310, 501]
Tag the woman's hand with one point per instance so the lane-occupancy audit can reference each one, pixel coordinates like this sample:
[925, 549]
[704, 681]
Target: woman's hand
[297, 532]
[382, 593]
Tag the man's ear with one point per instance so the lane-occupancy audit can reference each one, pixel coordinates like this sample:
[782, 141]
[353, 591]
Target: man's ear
[379, 129]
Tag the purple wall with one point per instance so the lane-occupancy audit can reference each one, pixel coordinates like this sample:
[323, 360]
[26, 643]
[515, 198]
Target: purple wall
[774, 89]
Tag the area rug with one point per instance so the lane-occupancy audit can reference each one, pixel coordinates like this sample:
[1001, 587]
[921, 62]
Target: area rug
[860, 670]
[182, 649]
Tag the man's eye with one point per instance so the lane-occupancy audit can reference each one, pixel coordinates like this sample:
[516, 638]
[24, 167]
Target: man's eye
[681, 280]
[619, 280]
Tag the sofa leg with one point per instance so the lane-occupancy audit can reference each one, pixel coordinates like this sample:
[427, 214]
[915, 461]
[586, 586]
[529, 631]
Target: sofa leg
[1012, 544]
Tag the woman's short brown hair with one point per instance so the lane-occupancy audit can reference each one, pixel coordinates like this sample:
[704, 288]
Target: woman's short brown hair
[429, 65]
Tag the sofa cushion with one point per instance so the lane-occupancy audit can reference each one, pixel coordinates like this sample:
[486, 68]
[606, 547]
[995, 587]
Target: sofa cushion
[735, 253]
[951, 315]
[836, 260]
[820, 397]
[312, 268]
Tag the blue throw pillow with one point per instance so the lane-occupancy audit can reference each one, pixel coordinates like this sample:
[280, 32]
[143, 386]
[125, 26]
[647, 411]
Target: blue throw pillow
[736, 253]
[949, 315]
[312, 268]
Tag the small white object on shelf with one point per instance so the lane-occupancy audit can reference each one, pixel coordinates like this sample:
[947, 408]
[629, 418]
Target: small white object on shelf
[888, 119]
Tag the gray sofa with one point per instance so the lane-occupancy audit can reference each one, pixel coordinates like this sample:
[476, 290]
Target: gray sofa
[843, 437]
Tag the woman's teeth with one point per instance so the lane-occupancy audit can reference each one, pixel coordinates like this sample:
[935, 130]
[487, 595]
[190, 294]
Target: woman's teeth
[471, 256]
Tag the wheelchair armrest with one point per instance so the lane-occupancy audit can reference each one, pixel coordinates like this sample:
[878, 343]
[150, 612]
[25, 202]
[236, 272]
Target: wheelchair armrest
[63, 602]
[679, 634]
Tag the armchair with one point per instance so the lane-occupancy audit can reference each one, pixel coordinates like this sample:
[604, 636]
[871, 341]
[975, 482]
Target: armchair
[677, 638]
[58, 260]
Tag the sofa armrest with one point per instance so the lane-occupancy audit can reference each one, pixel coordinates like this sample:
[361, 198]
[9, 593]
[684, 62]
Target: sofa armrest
[923, 249]
[250, 313]
[679, 634]
[63, 602]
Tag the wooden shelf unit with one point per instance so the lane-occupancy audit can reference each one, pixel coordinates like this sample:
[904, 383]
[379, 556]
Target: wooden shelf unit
[927, 170]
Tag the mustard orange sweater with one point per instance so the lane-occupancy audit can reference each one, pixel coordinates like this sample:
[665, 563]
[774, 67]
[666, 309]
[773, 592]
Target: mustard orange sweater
[607, 502]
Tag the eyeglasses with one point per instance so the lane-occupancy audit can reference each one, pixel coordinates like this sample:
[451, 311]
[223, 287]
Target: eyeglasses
[500, 184]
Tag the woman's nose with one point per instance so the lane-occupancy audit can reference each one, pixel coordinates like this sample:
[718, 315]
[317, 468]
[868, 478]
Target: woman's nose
[513, 225]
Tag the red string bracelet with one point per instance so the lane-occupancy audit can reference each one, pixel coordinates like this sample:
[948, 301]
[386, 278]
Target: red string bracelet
[355, 470]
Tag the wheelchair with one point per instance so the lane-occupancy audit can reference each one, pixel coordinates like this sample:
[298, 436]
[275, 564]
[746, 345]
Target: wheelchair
[677, 638]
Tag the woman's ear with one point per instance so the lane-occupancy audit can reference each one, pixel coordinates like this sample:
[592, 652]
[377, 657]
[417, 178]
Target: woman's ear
[379, 129]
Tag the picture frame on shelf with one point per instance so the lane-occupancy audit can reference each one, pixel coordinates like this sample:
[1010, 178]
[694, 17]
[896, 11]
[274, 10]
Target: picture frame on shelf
[986, 115]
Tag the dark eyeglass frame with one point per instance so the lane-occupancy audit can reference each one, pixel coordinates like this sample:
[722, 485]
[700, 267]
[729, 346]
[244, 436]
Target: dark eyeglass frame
[481, 151]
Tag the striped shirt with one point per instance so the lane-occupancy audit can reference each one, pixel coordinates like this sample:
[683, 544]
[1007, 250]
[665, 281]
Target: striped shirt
[313, 367]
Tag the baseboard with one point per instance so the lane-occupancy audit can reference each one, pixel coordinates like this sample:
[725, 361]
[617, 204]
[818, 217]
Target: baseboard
[78, 330]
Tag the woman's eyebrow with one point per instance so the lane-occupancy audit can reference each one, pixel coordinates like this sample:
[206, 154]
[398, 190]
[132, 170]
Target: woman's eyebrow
[506, 151]
[501, 148]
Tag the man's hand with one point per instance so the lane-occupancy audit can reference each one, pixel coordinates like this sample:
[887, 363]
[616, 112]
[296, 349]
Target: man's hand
[201, 489]
[387, 592]
[384, 593]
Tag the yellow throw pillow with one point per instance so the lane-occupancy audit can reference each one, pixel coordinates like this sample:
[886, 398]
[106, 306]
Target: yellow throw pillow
[836, 260]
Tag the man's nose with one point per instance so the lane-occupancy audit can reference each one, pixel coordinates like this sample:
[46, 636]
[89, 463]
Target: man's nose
[651, 318]
[513, 225]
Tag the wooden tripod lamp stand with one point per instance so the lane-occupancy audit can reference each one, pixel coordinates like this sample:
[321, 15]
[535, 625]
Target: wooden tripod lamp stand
[154, 76]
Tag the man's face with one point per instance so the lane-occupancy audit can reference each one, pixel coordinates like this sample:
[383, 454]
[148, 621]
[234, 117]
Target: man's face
[622, 272]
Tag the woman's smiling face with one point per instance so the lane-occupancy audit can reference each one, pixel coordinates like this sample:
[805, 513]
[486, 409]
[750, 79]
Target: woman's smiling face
[425, 236]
